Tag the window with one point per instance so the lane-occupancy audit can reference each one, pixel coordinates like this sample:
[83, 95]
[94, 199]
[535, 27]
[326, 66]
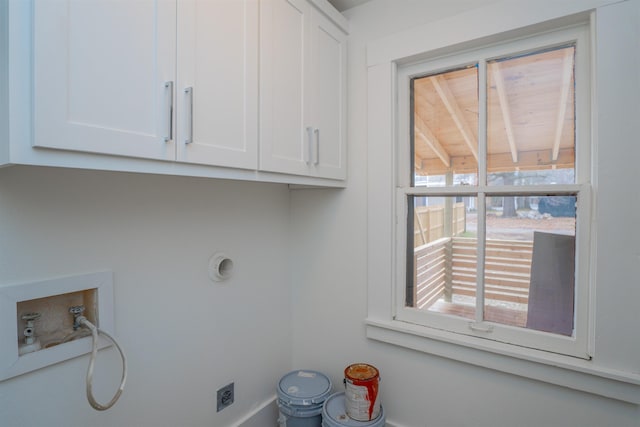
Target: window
[493, 193]
[594, 354]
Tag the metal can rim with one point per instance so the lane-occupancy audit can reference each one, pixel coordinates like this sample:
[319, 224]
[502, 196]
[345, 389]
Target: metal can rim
[367, 368]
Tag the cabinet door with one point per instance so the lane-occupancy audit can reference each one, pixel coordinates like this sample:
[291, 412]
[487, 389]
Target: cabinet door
[284, 62]
[217, 89]
[100, 69]
[327, 100]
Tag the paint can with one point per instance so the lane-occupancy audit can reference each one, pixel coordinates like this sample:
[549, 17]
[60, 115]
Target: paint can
[334, 414]
[301, 395]
[362, 398]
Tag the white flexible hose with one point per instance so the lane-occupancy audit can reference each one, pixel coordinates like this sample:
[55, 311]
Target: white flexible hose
[94, 352]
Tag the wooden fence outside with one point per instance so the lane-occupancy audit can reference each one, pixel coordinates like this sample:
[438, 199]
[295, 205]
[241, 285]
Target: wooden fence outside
[429, 223]
[432, 272]
[448, 266]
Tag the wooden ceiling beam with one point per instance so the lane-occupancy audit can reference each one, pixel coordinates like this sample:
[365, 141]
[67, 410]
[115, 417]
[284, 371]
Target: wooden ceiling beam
[424, 134]
[567, 73]
[502, 162]
[504, 107]
[449, 100]
[459, 164]
[531, 160]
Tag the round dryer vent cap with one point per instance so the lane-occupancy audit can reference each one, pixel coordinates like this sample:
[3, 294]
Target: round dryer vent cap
[220, 267]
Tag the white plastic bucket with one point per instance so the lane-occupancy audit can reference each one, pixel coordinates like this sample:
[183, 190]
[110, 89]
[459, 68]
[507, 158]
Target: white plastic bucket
[334, 414]
[301, 395]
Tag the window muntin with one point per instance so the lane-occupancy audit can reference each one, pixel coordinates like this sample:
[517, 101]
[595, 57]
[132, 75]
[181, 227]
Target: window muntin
[534, 176]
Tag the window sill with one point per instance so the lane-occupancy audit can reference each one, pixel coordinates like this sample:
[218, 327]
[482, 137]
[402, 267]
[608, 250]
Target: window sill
[551, 368]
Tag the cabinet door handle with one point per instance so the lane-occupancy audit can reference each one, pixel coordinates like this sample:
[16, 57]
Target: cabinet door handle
[307, 152]
[168, 87]
[317, 157]
[189, 115]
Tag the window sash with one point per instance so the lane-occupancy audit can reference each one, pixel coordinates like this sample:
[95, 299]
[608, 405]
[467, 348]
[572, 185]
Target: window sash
[578, 35]
[573, 346]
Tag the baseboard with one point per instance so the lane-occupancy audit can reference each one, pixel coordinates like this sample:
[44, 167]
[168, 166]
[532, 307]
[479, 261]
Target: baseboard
[264, 414]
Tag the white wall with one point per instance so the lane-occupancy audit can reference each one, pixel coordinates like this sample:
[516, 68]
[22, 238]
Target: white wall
[184, 336]
[330, 283]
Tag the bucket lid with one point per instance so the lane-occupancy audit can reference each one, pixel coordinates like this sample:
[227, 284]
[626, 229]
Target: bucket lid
[334, 414]
[304, 387]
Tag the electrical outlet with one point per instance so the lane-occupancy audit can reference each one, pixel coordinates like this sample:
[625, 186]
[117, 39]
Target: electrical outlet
[225, 397]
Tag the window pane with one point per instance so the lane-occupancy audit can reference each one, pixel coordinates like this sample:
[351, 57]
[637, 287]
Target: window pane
[442, 282]
[531, 119]
[529, 262]
[445, 128]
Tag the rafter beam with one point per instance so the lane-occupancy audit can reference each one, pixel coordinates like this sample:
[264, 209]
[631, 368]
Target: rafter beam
[504, 107]
[501, 162]
[567, 73]
[449, 100]
[423, 133]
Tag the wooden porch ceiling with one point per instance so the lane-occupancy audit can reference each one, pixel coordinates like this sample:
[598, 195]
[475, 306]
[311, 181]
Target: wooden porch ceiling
[530, 116]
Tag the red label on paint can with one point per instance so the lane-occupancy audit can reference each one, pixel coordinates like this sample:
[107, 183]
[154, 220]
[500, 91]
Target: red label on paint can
[362, 399]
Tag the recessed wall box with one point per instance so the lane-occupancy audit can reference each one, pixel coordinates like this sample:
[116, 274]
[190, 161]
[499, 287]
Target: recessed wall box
[53, 326]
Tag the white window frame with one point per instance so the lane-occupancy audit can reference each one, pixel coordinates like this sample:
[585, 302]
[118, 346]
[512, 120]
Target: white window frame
[576, 345]
[610, 373]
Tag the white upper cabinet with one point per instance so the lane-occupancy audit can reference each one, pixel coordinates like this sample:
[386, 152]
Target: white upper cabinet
[303, 91]
[99, 73]
[283, 32]
[236, 89]
[106, 82]
[217, 84]
[328, 100]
